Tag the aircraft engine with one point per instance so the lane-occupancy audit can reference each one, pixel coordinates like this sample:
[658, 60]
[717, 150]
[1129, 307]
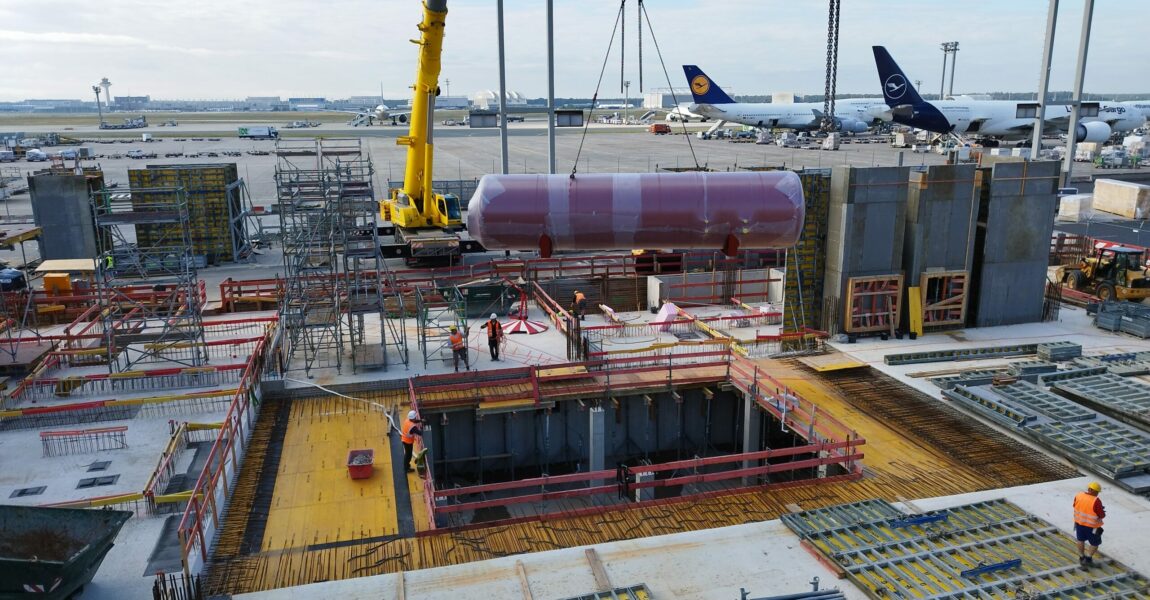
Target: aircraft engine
[1094, 131]
[852, 126]
[401, 118]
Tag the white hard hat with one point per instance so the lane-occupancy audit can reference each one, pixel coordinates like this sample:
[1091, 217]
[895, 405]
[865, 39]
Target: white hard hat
[493, 316]
[411, 414]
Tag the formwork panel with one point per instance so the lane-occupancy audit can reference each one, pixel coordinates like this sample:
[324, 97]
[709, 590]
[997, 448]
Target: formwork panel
[944, 299]
[1017, 206]
[940, 219]
[806, 261]
[986, 550]
[61, 206]
[873, 304]
[214, 207]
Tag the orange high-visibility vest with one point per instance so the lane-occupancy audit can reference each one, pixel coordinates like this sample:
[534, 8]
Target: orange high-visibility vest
[457, 341]
[405, 432]
[579, 297]
[1084, 510]
[494, 330]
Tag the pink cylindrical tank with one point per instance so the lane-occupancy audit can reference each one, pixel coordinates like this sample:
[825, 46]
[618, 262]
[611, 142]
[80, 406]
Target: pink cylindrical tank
[696, 210]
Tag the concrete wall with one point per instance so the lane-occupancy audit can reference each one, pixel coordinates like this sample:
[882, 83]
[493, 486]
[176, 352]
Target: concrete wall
[940, 220]
[864, 226]
[750, 286]
[1017, 210]
[60, 205]
[557, 441]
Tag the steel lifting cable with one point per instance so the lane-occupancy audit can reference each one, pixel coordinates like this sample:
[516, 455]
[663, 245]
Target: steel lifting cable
[595, 98]
[674, 98]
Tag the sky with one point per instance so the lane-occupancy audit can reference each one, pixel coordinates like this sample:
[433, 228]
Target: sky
[217, 49]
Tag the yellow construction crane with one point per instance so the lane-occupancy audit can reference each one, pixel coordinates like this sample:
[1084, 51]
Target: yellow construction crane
[426, 224]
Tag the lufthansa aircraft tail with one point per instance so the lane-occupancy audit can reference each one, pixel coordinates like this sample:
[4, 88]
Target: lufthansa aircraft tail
[703, 90]
[907, 107]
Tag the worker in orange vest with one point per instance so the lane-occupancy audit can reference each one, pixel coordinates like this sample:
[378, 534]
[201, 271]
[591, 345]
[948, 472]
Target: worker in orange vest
[458, 349]
[494, 336]
[407, 434]
[580, 304]
[1088, 515]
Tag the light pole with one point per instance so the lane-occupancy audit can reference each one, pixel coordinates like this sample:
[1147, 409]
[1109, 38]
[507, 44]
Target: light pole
[99, 110]
[948, 48]
[626, 101]
[953, 61]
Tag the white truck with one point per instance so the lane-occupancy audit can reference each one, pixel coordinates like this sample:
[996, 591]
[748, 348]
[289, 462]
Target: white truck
[35, 155]
[258, 132]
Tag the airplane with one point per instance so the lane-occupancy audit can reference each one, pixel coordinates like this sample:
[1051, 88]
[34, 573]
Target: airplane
[1142, 106]
[380, 113]
[853, 115]
[369, 116]
[683, 112]
[1000, 119]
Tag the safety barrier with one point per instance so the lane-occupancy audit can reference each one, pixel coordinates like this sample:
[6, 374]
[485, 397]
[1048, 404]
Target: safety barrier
[209, 495]
[787, 405]
[730, 471]
[52, 388]
[182, 435]
[83, 441]
[266, 293]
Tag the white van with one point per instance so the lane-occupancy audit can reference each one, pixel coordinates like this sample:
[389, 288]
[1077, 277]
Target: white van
[35, 155]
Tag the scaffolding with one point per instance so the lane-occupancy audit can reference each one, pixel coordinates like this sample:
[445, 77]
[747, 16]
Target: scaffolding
[438, 311]
[337, 281]
[165, 325]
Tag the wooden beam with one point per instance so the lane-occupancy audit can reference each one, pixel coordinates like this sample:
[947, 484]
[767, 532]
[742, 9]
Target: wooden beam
[601, 580]
[707, 393]
[399, 586]
[523, 583]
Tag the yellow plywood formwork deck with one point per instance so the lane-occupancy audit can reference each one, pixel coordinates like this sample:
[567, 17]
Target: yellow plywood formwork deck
[901, 463]
[835, 361]
[315, 500]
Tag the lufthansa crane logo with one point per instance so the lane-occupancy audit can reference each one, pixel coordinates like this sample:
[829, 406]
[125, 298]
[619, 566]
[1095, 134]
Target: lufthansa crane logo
[894, 87]
[700, 85]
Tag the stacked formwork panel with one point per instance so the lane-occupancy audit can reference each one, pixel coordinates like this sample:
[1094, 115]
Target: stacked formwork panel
[864, 247]
[806, 261]
[939, 241]
[167, 325]
[217, 208]
[1016, 210]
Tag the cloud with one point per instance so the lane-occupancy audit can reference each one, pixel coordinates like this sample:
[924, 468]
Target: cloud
[228, 49]
[95, 39]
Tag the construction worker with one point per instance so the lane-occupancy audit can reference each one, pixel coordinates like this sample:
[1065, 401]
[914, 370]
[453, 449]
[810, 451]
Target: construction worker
[407, 434]
[494, 336]
[458, 349]
[1088, 515]
[580, 304]
[109, 264]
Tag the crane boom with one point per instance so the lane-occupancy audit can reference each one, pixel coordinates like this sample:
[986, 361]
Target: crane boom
[416, 205]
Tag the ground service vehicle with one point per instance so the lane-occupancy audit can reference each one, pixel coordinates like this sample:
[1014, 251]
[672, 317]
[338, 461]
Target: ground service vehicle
[425, 224]
[259, 132]
[659, 128]
[1114, 273]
